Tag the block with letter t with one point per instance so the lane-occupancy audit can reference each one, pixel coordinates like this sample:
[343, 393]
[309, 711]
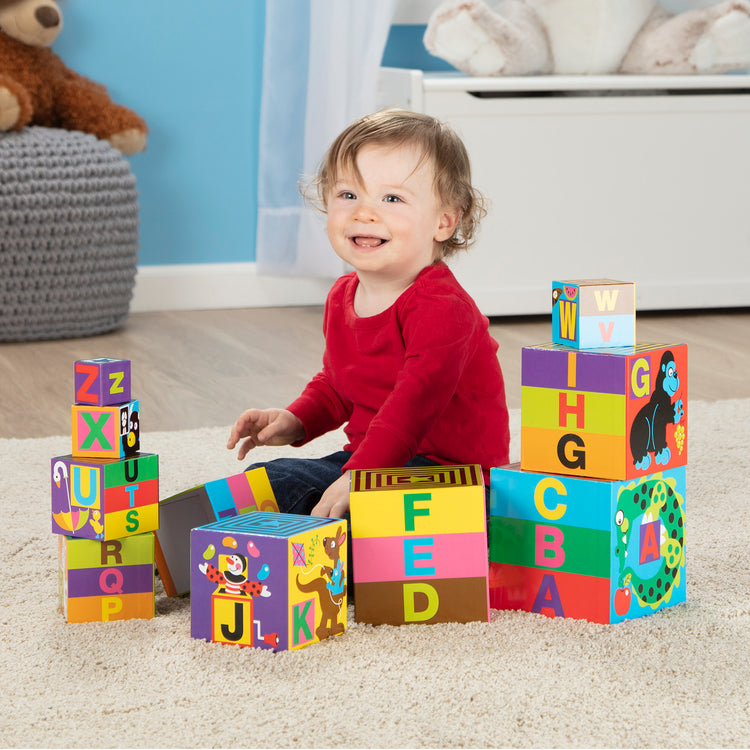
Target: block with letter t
[599, 550]
[593, 313]
[419, 545]
[269, 580]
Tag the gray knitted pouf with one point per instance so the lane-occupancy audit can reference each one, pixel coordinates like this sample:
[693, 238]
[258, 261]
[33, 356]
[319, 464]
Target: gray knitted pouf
[68, 235]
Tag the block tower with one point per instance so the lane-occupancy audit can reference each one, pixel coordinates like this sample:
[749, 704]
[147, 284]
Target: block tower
[591, 523]
[105, 501]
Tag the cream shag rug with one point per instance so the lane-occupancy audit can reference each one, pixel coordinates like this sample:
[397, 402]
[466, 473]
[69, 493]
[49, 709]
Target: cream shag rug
[679, 678]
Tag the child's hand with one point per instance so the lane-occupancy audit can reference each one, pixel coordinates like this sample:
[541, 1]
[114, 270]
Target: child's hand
[335, 500]
[265, 427]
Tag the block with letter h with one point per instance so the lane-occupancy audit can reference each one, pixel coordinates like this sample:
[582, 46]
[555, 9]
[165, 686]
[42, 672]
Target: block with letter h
[615, 413]
[419, 545]
[105, 499]
[593, 313]
[604, 551]
[106, 580]
[270, 580]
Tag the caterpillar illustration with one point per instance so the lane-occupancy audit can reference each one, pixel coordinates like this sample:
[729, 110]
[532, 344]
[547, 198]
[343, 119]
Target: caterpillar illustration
[645, 502]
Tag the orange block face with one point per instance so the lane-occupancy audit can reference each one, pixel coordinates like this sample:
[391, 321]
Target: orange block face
[616, 413]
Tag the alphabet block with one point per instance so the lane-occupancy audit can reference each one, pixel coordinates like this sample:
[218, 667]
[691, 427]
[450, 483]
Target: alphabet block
[270, 580]
[106, 580]
[102, 381]
[614, 413]
[106, 431]
[604, 551]
[593, 313]
[419, 545]
[221, 498]
[105, 499]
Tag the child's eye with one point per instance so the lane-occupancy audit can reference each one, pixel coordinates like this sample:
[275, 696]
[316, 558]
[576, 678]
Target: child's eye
[392, 199]
[347, 195]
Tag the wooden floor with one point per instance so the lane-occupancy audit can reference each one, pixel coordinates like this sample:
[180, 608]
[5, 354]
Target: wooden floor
[202, 368]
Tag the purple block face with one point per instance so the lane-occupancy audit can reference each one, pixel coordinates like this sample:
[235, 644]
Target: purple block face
[102, 381]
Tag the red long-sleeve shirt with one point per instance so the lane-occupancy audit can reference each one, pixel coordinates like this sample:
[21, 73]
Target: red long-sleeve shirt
[422, 377]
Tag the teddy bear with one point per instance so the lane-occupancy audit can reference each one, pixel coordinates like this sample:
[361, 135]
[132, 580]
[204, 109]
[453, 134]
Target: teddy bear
[36, 88]
[591, 37]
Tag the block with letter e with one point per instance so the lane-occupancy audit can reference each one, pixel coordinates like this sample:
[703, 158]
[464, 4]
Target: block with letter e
[593, 313]
[419, 545]
[269, 580]
[599, 550]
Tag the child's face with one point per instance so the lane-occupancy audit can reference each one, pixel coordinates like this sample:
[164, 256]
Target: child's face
[388, 226]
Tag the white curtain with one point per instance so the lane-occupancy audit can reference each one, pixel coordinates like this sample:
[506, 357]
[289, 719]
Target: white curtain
[320, 69]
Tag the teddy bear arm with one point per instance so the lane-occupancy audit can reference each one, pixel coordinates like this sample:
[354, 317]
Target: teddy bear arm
[16, 109]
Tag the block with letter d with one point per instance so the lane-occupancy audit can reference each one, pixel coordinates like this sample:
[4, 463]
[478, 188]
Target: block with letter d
[106, 431]
[269, 580]
[419, 545]
[102, 382]
[604, 551]
[615, 413]
[109, 580]
[593, 313]
[104, 498]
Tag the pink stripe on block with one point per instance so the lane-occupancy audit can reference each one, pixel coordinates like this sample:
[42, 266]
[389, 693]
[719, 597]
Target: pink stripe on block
[397, 558]
[241, 493]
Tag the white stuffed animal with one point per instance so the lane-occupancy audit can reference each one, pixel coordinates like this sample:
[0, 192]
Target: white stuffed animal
[594, 37]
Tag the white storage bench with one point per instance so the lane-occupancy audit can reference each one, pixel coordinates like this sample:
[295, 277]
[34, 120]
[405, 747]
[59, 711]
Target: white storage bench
[638, 178]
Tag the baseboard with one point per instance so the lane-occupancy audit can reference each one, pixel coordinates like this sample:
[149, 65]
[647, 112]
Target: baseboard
[216, 286]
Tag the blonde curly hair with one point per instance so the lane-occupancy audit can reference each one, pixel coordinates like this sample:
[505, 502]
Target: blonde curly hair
[437, 141]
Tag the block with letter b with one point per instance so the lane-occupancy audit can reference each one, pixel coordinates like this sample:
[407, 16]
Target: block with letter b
[593, 313]
[604, 551]
[102, 382]
[106, 580]
[419, 545]
[269, 580]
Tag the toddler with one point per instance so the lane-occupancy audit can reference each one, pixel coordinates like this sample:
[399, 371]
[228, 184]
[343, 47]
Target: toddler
[409, 365]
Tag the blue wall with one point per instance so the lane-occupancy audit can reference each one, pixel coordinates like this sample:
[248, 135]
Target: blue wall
[193, 70]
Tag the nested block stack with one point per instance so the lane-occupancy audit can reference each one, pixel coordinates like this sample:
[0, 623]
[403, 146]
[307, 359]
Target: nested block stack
[105, 501]
[419, 545]
[270, 580]
[591, 523]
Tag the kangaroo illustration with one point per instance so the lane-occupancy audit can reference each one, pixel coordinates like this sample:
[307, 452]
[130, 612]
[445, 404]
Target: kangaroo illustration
[330, 587]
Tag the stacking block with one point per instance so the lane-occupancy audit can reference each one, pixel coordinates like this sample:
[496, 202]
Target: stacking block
[110, 580]
[102, 381]
[106, 431]
[221, 498]
[105, 499]
[593, 313]
[271, 580]
[604, 413]
[419, 545]
[588, 549]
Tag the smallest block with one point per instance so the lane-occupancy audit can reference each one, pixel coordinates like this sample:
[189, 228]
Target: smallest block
[111, 580]
[106, 431]
[593, 313]
[102, 381]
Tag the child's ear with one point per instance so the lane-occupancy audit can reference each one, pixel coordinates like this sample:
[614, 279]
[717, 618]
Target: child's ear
[449, 219]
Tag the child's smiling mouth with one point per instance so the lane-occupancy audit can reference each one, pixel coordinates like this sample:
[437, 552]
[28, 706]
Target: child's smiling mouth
[367, 241]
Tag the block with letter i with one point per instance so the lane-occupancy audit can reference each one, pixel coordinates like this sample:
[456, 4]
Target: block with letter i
[611, 413]
[604, 551]
[593, 313]
[419, 545]
[109, 580]
[269, 580]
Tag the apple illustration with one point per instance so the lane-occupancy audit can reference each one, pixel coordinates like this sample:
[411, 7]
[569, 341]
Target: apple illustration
[622, 600]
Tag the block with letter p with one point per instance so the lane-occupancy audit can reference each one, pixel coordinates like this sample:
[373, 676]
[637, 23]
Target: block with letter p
[419, 545]
[102, 382]
[593, 313]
